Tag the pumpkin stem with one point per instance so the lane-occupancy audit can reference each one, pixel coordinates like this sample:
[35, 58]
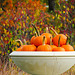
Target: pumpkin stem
[19, 41]
[25, 42]
[59, 41]
[44, 40]
[53, 30]
[36, 29]
[67, 41]
[50, 41]
[47, 30]
[35, 34]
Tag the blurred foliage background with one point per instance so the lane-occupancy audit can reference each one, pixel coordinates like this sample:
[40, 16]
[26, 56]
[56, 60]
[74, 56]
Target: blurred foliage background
[16, 17]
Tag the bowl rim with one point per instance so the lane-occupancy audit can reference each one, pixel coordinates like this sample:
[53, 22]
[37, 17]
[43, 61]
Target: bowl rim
[41, 54]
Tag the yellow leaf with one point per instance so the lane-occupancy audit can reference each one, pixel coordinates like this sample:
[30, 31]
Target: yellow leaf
[27, 17]
[70, 21]
[13, 41]
[0, 52]
[53, 17]
[21, 16]
[41, 23]
[18, 44]
[67, 12]
[61, 24]
[15, 18]
[67, 20]
[22, 12]
[1, 9]
[5, 38]
[7, 20]
[63, 18]
[64, 6]
[12, 49]
[67, 35]
[7, 24]
[58, 16]
[3, 53]
[72, 6]
[63, 11]
[7, 32]
[3, 24]
[23, 24]
[67, 9]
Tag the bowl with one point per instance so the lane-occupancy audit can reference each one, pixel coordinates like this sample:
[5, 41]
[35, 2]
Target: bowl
[43, 63]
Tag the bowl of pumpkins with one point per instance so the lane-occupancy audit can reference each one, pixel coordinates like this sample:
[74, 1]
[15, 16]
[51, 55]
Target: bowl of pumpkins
[45, 55]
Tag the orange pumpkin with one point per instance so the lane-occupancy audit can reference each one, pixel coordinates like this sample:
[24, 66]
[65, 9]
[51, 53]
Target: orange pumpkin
[48, 35]
[28, 47]
[62, 40]
[56, 38]
[32, 40]
[44, 47]
[37, 34]
[53, 46]
[68, 47]
[38, 39]
[58, 48]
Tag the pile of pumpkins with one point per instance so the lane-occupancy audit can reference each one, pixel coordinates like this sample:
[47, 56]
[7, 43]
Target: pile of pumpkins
[45, 42]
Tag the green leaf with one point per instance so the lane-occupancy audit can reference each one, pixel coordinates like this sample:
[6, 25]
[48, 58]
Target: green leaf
[11, 39]
[8, 51]
[19, 36]
[11, 32]
[8, 13]
[73, 25]
[30, 28]
[4, 15]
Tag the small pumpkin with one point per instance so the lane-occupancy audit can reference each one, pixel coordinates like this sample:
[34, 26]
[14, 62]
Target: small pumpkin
[28, 47]
[68, 47]
[58, 48]
[48, 35]
[56, 38]
[36, 34]
[32, 40]
[44, 47]
[38, 39]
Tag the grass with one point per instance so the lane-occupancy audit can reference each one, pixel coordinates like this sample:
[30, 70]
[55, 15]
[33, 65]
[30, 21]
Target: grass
[9, 68]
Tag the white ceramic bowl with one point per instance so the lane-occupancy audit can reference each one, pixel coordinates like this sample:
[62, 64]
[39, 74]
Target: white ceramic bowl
[43, 63]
